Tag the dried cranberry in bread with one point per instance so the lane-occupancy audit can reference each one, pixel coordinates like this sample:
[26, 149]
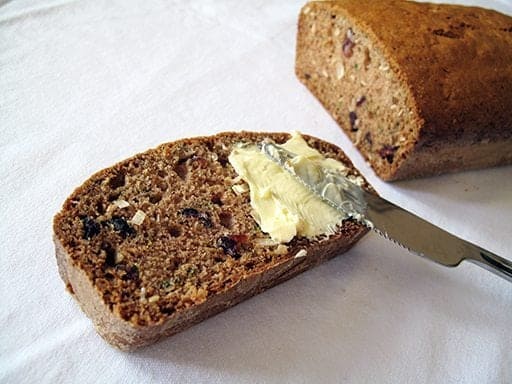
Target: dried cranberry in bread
[162, 240]
[420, 88]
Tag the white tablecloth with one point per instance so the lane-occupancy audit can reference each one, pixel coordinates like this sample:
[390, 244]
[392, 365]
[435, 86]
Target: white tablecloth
[84, 84]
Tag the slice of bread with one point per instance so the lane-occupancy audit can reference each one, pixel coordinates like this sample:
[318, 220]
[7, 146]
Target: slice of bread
[162, 240]
[421, 89]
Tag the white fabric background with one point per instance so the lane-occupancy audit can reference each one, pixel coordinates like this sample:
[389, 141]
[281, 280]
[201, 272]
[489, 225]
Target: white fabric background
[84, 84]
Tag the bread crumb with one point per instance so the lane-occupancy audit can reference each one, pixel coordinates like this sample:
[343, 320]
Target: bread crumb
[119, 257]
[121, 203]
[340, 71]
[301, 253]
[154, 299]
[240, 188]
[138, 218]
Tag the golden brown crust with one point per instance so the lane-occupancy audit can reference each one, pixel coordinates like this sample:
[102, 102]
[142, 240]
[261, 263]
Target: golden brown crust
[453, 65]
[141, 282]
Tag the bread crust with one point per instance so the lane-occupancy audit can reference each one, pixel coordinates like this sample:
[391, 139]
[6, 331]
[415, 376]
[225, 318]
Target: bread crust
[454, 66]
[86, 281]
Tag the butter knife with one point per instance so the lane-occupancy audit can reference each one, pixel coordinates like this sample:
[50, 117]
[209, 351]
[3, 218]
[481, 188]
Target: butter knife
[387, 219]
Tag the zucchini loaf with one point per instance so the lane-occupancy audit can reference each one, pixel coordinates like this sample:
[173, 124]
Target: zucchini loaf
[167, 238]
[420, 89]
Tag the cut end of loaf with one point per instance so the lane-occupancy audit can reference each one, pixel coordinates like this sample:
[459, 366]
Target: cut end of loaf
[355, 82]
[163, 240]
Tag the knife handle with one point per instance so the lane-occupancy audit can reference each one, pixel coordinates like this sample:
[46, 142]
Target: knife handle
[493, 263]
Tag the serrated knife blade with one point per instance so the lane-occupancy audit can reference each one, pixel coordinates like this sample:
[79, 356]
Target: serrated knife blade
[389, 220]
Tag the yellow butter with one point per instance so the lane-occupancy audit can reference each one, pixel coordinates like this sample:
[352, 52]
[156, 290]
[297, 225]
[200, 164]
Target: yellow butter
[282, 206]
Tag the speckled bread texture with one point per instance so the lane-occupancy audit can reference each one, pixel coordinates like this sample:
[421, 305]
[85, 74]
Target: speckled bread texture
[197, 250]
[421, 89]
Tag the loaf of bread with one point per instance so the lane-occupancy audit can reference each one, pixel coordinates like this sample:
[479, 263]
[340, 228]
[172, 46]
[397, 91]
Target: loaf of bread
[166, 238]
[421, 89]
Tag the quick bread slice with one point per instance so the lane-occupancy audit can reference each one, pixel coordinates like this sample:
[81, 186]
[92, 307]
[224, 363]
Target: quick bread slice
[421, 89]
[165, 239]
